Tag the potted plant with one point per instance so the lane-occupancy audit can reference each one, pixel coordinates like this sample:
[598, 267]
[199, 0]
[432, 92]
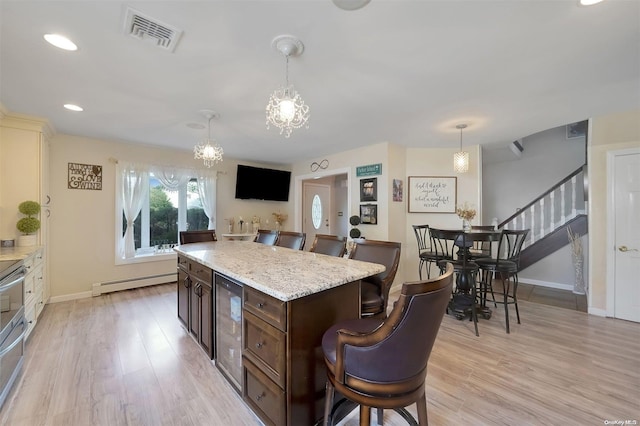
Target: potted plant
[28, 225]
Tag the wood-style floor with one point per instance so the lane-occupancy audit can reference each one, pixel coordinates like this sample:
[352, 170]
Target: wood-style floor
[123, 359]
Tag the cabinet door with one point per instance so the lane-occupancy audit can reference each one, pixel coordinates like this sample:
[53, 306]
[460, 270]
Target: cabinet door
[206, 319]
[184, 293]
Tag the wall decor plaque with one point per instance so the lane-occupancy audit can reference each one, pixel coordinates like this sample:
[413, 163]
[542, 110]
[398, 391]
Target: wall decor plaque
[432, 194]
[84, 176]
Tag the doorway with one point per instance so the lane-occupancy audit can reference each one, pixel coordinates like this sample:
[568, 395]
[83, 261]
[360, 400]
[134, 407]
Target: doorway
[623, 262]
[329, 213]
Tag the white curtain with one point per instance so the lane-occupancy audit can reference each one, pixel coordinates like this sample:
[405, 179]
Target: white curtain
[207, 191]
[135, 180]
[172, 178]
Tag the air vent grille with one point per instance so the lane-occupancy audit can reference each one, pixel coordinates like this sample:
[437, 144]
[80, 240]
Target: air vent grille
[143, 27]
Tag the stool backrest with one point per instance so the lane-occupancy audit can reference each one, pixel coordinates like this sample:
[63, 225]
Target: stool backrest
[267, 236]
[331, 245]
[292, 240]
[187, 237]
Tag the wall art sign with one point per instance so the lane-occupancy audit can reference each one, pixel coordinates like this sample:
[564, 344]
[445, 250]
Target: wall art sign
[432, 194]
[370, 170]
[85, 176]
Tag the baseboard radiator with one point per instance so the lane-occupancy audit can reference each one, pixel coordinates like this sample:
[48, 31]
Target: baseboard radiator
[128, 284]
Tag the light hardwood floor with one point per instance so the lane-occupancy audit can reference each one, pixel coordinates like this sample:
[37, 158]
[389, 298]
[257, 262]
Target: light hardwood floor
[123, 359]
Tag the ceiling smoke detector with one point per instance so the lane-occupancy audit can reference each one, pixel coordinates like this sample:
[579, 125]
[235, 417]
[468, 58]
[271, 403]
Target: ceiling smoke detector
[144, 27]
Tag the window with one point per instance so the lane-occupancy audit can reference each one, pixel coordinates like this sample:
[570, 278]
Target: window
[167, 206]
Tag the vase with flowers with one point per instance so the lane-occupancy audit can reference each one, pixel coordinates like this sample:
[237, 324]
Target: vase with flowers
[466, 213]
[255, 223]
[279, 218]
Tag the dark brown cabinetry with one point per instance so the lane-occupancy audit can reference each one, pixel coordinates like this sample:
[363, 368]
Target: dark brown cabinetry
[283, 368]
[195, 302]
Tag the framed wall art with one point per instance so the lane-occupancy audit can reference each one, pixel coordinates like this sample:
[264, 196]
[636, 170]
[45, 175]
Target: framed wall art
[369, 189]
[369, 214]
[84, 176]
[432, 194]
[397, 190]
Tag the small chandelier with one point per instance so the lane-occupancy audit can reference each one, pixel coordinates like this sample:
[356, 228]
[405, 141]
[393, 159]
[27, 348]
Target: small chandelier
[461, 158]
[286, 110]
[208, 150]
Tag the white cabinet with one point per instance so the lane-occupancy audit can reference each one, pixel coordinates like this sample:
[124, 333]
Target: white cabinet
[34, 288]
[24, 175]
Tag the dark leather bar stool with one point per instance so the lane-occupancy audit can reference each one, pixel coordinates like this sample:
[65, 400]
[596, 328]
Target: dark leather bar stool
[375, 289]
[187, 237]
[267, 236]
[292, 240]
[331, 245]
[362, 355]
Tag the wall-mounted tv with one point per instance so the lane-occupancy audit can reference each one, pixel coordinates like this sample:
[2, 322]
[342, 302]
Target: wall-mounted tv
[256, 183]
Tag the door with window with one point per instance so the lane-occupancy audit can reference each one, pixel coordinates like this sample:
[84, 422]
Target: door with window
[316, 209]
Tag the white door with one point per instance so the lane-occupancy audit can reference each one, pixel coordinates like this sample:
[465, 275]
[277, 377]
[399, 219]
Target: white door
[627, 236]
[316, 211]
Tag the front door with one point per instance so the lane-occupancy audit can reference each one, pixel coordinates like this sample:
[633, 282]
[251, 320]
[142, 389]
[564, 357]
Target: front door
[316, 211]
[627, 236]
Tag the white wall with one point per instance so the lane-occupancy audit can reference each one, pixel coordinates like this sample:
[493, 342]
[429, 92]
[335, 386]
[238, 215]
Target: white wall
[82, 224]
[509, 182]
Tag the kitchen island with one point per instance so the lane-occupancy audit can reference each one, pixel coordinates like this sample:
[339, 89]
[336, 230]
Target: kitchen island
[274, 303]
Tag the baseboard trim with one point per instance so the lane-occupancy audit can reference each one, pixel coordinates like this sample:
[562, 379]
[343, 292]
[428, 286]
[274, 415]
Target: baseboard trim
[67, 297]
[597, 312]
[549, 284]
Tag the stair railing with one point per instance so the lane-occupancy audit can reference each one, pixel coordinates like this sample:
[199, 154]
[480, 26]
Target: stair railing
[556, 206]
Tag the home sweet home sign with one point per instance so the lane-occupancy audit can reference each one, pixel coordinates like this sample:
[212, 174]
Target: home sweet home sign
[85, 176]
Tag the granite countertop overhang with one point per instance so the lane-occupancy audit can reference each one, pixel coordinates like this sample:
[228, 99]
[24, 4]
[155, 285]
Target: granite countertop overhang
[280, 272]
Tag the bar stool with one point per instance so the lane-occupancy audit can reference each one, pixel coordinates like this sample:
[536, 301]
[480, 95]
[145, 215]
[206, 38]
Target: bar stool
[383, 363]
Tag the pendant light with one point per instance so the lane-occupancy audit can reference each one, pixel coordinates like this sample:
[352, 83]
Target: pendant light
[286, 110]
[208, 150]
[461, 158]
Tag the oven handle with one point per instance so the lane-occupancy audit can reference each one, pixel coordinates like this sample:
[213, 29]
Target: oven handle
[12, 283]
[15, 342]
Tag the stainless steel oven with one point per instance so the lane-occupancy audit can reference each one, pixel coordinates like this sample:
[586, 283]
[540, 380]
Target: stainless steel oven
[12, 324]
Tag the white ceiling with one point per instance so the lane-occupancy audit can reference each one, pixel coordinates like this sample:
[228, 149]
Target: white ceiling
[395, 71]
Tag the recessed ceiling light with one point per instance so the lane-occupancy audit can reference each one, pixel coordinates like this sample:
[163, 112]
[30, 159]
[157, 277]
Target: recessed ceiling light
[351, 4]
[60, 41]
[73, 107]
[589, 2]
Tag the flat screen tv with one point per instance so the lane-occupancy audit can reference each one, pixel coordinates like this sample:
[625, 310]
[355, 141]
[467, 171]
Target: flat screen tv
[256, 183]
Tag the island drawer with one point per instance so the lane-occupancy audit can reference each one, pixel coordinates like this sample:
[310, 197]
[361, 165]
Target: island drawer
[183, 263]
[268, 308]
[263, 396]
[201, 272]
[265, 346]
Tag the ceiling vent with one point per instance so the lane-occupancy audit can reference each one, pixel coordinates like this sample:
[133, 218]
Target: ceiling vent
[145, 28]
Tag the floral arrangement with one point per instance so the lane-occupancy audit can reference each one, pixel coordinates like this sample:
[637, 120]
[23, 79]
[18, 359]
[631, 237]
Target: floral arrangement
[465, 212]
[255, 220]
[280, 217]
[30, 224]
[575, 242]
[240, 222]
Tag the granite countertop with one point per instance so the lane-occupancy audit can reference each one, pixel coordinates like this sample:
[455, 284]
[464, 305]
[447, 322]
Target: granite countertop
[17, 253]
[281, 272]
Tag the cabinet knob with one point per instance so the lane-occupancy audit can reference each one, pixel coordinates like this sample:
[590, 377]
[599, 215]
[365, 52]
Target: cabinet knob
[259, 397]
[31, 322]
[259, 345]
[28, 291]
[260, 305]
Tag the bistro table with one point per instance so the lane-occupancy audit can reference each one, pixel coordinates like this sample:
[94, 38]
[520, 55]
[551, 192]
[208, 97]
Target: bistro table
[463, 299]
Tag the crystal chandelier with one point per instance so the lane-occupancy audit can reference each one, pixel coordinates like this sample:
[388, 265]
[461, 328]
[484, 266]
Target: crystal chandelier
[286, 110]
[208, 150]
[461, 158]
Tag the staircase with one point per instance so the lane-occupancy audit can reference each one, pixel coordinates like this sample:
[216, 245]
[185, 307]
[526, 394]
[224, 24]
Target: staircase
[549, 215]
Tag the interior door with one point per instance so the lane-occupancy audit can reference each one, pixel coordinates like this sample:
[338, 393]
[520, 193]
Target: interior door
[316, 210]
[627, 236]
